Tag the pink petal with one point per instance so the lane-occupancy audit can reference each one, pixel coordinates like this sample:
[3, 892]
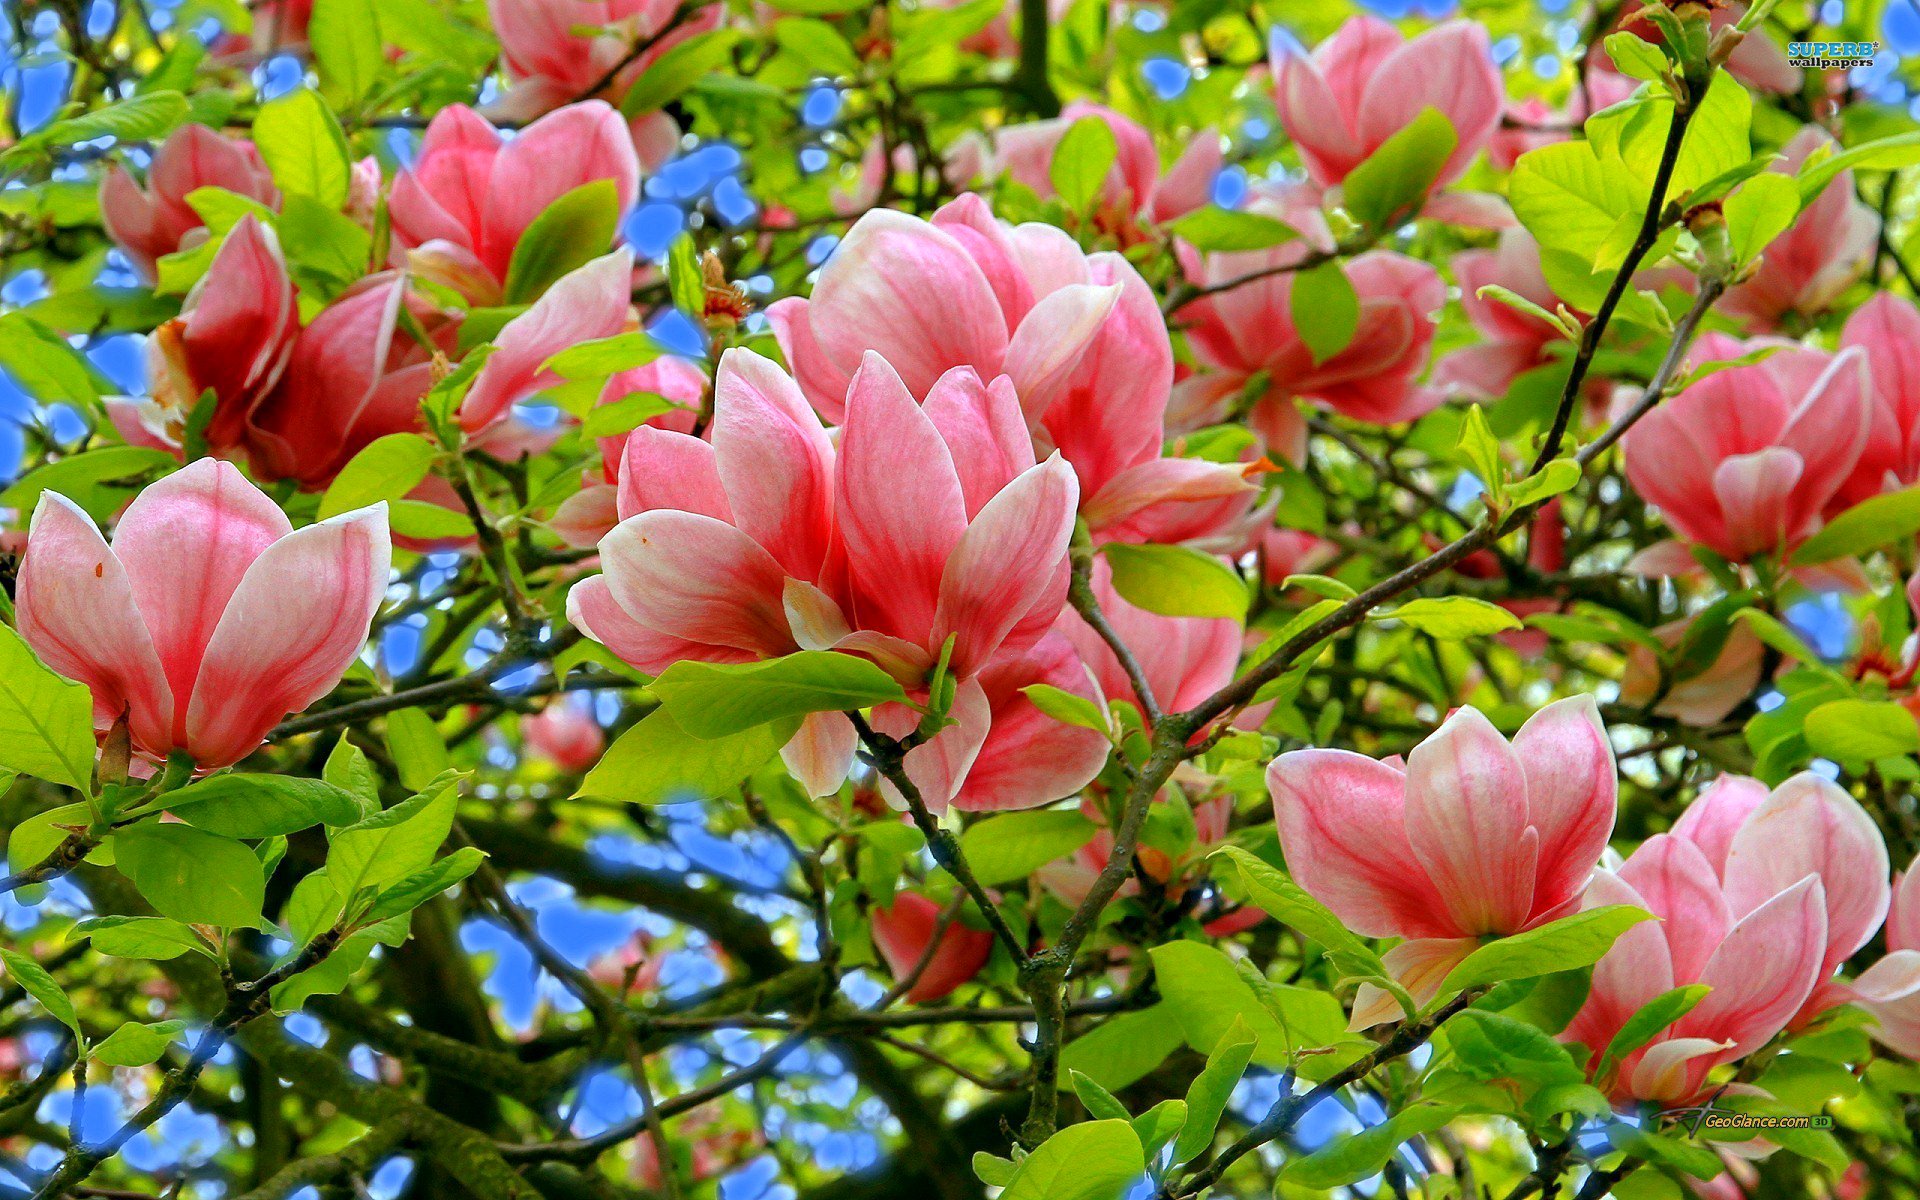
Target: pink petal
[1028, 758]
[902, 933]
[1755, 492]
[1571, 790]
[1006, 564]
[1676, 883]
[1717, 814]
[593, 610]
[588, 303]
[938, 767]
[568, 148]
[293, 626]
[824, 384]
[1419, 965]
[660, 469]
[821, 754]
[585, 517]
[76, 608]
[774, 460]
[1674, 1069]
[1763, 971]
[693, 577]
[1188, 183]
[1903, 916]
[1468, 823]
[1050, 341]
[1448, 68]
[984, 432]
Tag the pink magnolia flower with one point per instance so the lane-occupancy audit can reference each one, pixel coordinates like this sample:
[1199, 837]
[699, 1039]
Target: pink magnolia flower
[1890, 988]
[1887, 330]
[299, 403]
[903, 931]
[1288, 552]
[1827, 248]
[1761, 961]
[1744, 461]
[1248, 330]
[1759, 844]
[927, 521]
[1367, 82]
[460, 210]
[279, 27]
[1511, 342]
[589, 514]
[1475, 836]
[560, 51]
[152, 222]
[635, 966]
[209, 618]
[1080, 336]
[566, 735]
[1136, 192]
[1704, 698]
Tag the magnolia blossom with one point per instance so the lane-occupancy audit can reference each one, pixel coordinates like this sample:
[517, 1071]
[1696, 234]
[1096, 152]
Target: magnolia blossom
[1474, 836]
[209, 618]
[1761, 961]
[1511, 342]
[1368, 82]
[1826, 249]
[1706, 696]
[460, 211]
[927, 521]
[1757, 61]
[1080, 336]
[152, 222]
[1136, 191]
[1288, 552]
[902, 932]
[1890, 988]
[1759, 843]
[299, 403]
[1243, 332]
[1887, 330]
[566, 735]
[1744, 461]
[589, 514]
[558, 51]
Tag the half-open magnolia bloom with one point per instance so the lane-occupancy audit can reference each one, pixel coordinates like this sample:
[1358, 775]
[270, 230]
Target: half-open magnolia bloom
[928, 521]
[209, 618]
[1821, 254]
[1368, 82]
[152, 222]
[1512, 342]
[1744, 461]
[1760, 843]
[460, 210]
[1243, 332]
[559, 51]
[299, 403]
[565, 734]
[1890, 988]
[1080, 336]
[1887, 330]
[1474, 836]
[904, 930]
[1705, 697]
[1136, 192]
[1761, 961]
[590, 513]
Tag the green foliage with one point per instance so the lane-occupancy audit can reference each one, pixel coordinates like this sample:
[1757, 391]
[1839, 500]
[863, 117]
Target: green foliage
[1175, 581]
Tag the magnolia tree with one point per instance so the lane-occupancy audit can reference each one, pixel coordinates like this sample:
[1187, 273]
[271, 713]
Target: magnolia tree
[1062, 601]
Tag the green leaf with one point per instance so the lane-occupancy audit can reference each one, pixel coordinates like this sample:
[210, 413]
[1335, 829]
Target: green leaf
[1643, 1026]
[259, 806]
[99, 481]
[1325, 309]
[1556, 477]
[686, 283]
[1081, 160]
[606, 356]
[1345, 1160]
[1287, 902]
[1204, 992]
[1487, 1045]
[713, 700]
[1452, 617]
[1481, 450]
[345, 37]
[421, 886]
[1159, 1125]
[993, 1170]
[46, 722]
[1570, 942]
[50, 370]
[1569, 197]
[1208, 1094]
[1011, 846]
[137, 1045]
[1760, 211]
[1868, 525]
[347, 768]
[427, 521]
[1125, 1048]
[678, 69]
[34, 981]
[1176, 581]
[192, 875]
[141, 118]
[37, 836]
[1216, 230]
[327, 250]
[1068, 708]
[1881, 154]
[1635, 58]
[817, 45]
[386, 469]
[1099, 1101]
[1097, 1160]
[419, 752]
[623, 415]
[569, 233]
[656, 761]
[390, 845]
[1395, 178]
[303, 147]
[156, 938]
[1855, 732]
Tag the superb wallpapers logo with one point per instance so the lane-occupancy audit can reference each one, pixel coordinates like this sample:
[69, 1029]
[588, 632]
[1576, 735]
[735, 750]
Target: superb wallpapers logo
[1828, 56]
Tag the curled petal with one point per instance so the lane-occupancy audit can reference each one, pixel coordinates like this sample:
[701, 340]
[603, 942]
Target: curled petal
[692, 577]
